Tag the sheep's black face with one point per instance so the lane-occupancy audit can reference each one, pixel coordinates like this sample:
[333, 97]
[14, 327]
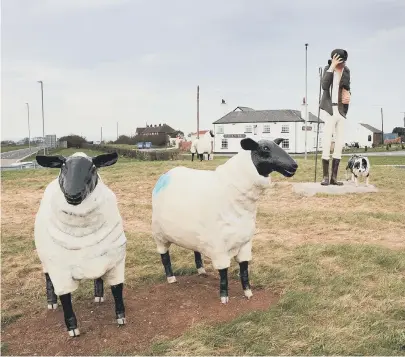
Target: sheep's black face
[78, 178]
[268, 156]
[212, 134]
[78, 174]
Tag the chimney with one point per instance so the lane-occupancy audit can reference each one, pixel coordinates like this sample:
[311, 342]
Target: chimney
[160, 124]
[155, 125]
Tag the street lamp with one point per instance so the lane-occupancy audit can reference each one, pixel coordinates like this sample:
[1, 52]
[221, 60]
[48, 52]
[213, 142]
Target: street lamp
[43, 118]
[29, 131]
[306, 96]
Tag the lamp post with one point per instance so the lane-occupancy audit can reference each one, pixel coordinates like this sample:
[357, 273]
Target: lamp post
[29, 130]
[43, 117]
[306, 96]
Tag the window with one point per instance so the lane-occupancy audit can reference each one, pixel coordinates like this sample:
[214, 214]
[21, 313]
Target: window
[266, 128]
[220, 129]
[286, 144]
[248, 129]
[285, 128]
[224, 144]
[369, 138]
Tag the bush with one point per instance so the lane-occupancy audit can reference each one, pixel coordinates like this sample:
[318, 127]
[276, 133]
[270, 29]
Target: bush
[73, 141]
[143, 155]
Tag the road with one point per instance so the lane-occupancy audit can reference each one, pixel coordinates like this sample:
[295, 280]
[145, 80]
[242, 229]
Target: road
[10, 157]
[370, 153]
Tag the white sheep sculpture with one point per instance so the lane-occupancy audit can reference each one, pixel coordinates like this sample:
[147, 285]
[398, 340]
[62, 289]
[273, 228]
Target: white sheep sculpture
[79, 233]
[214, 212]
[202, 146]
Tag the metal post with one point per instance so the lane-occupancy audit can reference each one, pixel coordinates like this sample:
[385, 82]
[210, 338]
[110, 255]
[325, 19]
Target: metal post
[319, 114]
[43, 116]
[382, 127]
[198, 112]
[29, 130]
[306, 96]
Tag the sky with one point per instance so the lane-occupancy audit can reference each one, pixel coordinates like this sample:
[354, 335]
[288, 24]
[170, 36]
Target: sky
[136, 62]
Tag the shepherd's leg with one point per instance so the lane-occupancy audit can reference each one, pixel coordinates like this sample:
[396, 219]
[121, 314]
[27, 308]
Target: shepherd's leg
[199, 263]
[70, 317]
[98, 290]
[51, 297]
[119, 303]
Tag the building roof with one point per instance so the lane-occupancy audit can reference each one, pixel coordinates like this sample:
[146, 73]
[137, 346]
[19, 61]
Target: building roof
[201, 132]
[265, 116]
[158, 129]
[140, 130]
[244, 109]
[371, 128]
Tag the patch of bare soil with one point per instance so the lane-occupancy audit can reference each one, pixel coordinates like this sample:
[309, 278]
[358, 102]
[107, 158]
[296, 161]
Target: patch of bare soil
[159, 311]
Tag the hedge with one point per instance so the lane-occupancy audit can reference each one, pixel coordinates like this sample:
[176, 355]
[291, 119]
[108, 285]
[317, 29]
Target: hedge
[143, 155]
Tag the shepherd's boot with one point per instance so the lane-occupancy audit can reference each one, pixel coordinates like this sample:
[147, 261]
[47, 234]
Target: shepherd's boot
[325, 166]
[333, 178]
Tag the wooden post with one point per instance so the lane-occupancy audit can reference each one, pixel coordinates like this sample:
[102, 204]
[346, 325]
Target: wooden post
[198, 112]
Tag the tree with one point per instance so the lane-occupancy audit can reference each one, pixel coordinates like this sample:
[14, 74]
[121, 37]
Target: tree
[73, 140]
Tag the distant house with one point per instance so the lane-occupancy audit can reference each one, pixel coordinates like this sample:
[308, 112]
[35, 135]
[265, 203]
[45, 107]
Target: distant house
[366, 135]
[289, 124]
[192, 136]
[158, 135]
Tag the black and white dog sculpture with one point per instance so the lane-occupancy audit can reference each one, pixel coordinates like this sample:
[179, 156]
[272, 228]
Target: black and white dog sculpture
[359, 166]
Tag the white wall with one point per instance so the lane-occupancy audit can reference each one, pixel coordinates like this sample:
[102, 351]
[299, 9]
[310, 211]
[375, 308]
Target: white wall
[358, 133]
[296, 135]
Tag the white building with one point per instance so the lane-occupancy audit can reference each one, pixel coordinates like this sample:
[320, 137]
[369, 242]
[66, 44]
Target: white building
[364, 135]
[50, 141]
[245, 122]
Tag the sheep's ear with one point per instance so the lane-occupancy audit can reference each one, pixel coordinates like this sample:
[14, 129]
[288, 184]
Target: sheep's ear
[249, 144]
[54, 162]
[105, 159]
[278, 141]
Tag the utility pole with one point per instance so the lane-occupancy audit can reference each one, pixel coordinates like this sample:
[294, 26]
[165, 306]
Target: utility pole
[117, 130]
[101, 137]
[43, 116]
[198, 112]
[382, 127]
[404, 118]
[306, 96]
[29, 130]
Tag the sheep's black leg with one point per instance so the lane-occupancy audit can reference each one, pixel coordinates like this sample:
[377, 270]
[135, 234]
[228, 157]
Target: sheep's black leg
[199, 263]
[244, 278]
[192, 157]
[51, 297]
[223, 285]
[208, 155]
[70, 317]
[98, 290]
[167, 264]
[119, 303]
[201, 157]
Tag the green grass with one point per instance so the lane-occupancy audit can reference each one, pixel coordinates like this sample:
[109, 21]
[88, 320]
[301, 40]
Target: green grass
[12, 148]
[338, 263]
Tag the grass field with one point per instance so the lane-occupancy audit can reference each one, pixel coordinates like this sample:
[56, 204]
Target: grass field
[337, 263]
[12, 148]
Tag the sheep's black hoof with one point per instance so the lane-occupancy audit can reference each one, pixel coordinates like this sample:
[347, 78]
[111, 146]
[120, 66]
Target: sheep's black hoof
[121, 319]
[74, 333]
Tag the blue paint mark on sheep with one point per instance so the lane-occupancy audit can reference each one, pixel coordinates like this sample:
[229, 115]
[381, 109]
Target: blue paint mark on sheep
[163, 181]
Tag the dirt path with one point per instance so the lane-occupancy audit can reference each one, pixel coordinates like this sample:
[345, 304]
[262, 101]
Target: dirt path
[153, 313]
